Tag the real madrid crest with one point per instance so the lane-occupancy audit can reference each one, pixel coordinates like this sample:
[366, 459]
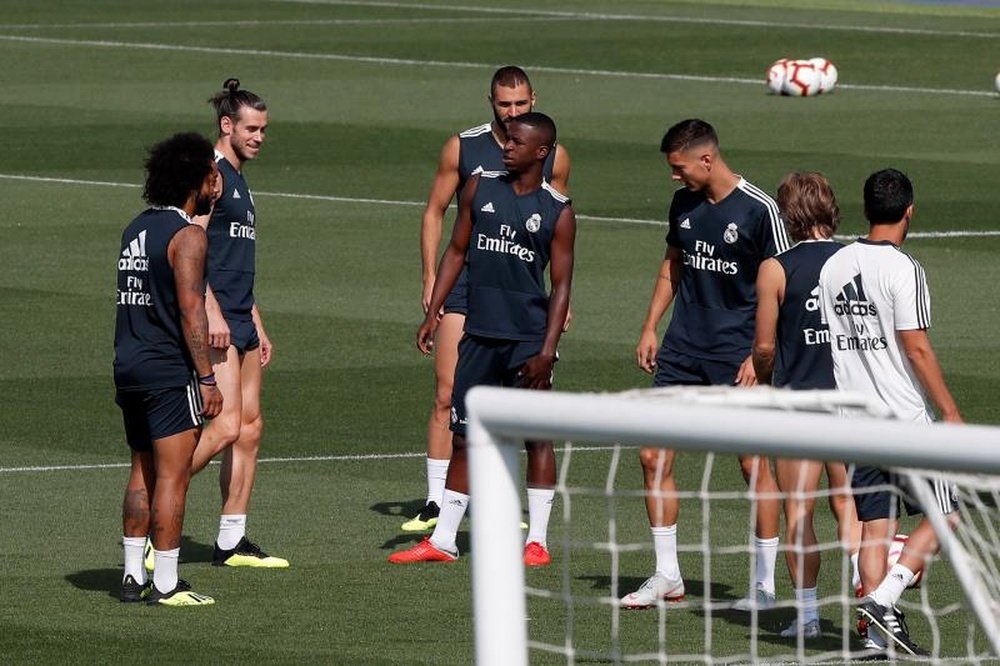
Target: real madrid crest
[730, 234]
[533, 223]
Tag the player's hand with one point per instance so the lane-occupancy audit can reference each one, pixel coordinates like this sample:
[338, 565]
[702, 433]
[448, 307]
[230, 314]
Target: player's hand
[537, 373]
[746, 375]
[425, 334]
[218, 329]
[645, 352]
[266, 348]
[211, 400]
[952, 417]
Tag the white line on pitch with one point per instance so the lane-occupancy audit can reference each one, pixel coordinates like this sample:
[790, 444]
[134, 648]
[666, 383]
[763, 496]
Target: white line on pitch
[292, 459]
[299, 22]
[410, 62]
[984, 233]
[696, 20]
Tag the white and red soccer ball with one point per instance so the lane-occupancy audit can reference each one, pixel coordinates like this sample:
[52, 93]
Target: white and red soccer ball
[895, 549]
[801, 78]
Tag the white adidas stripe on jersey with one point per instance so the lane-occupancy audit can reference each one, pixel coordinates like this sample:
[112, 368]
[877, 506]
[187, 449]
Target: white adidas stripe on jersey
[492, 174]
[475, 131]
[923, 313]
[777, 226]
[556, 194]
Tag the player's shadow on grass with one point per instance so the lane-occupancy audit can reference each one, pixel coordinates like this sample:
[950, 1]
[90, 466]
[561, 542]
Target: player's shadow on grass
[692, 586]
[412, 538]
[404, 510]
[770, 623]
[110, 579]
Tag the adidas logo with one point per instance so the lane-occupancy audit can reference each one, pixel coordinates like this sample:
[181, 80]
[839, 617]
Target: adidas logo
[236, 194]
[852, 300]
[478, 170]
[686, 224]
[488, 208]
[134, 255]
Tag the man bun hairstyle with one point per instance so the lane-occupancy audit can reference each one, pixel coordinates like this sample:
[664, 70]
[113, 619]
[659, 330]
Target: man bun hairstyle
[175, 167]
[807, 202]
[688, 134]
[541, 123]
[230, 100]
[888, 193]
[510, 76]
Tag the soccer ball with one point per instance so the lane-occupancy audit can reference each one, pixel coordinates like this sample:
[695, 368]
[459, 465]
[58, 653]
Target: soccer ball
[802, 79]
[827, 74]
[776, 76]
[895, 549]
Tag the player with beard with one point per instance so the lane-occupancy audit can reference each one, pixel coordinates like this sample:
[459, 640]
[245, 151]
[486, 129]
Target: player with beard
[163, 373]
[240, 346]
[510, 226]
[470, 152]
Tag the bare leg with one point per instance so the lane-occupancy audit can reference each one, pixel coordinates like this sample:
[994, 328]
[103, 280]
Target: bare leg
[239, 468]
[458, 470]
[662, 505]
[136, 505]
[541, 464]
[446, 340]
[173, 474]
[800, 476]
[843, 508]
[756, 470]
[875, 535]
[224, 429]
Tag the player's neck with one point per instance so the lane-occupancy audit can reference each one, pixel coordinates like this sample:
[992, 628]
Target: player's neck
[499, 133]
[527, 181]
[893, 233]
[227, 151]
[721, 184]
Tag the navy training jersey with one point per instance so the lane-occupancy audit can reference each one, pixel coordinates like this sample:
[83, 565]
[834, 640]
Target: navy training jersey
[803, 359]
[508, 252]
[723, 245]
[478, 151]
[150, 351]
[232, 237]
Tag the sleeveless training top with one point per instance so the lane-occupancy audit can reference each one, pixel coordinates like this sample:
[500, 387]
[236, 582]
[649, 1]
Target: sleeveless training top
[149, 345]
[232, 235]
[803, 358]
[722, 245]
[508, 253]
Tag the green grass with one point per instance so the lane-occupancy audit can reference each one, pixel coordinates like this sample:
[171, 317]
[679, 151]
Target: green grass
[339, 287]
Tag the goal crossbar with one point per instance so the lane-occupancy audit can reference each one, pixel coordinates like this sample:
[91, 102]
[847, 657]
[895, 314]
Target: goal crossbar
[500, 418]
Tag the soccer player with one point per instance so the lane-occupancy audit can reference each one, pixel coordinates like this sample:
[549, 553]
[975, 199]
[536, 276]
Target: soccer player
[240, 347]
[470, 152]
[875, 300]
[511, 224]
[792, 349]
[721, 229]
[163, 374]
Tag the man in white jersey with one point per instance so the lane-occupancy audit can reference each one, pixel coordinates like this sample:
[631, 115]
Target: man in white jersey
[875, 300]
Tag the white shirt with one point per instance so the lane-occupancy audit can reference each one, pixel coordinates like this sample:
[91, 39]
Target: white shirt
[868, 291]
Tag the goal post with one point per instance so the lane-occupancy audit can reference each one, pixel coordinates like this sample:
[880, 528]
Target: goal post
[500, 419]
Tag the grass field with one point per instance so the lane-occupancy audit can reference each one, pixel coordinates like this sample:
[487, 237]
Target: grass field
[362, 95]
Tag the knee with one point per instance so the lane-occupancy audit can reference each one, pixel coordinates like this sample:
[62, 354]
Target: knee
[442, 396]
[655, 460]
[251, 432]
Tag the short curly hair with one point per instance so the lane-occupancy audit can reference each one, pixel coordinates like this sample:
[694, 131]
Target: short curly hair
[175, 167]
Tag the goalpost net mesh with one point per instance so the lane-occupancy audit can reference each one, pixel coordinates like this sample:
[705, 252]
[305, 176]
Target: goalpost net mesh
[601, 546]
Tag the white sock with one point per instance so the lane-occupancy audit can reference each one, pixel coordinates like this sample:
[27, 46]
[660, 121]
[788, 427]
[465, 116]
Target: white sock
[855, 571]
[437, 473]
[232, 528]
[134, 547]
[767, 553]
[165, 569]
[452, 512]
[665, 547]
[891, 588]
[539, 508]
[806, 596]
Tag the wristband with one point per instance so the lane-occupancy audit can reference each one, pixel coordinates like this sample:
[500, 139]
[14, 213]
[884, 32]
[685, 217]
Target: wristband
[207, 380]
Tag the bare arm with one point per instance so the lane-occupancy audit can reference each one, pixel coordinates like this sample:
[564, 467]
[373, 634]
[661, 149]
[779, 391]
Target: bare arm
[770, 295]
[186, 253]
[667, 282]
[442, 190]
[560, 170]
[450, 266]
[918, 349]
[537, 372]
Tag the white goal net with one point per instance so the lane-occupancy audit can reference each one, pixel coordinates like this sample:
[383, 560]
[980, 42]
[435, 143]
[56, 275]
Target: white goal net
[600, 539]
